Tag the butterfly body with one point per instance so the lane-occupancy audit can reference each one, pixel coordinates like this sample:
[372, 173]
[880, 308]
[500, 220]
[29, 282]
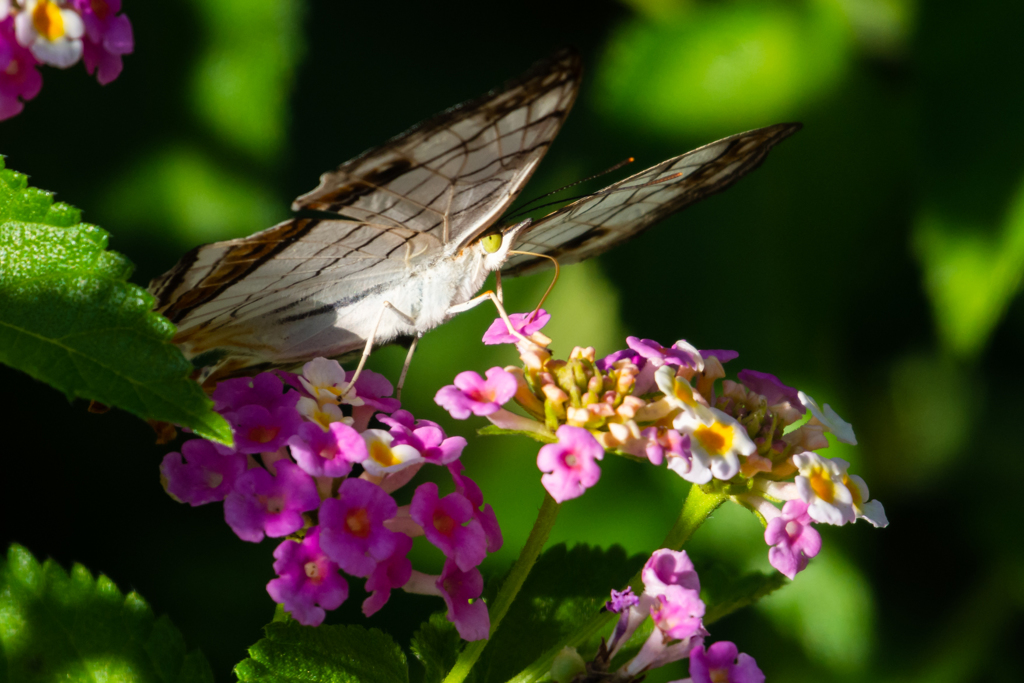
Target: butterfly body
[414, 238]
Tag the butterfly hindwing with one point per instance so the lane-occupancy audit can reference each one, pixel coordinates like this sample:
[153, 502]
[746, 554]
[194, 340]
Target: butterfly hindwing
[598, 222]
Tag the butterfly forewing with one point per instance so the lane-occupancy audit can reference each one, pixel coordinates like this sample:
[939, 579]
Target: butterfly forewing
[599, 221]
[454, 175]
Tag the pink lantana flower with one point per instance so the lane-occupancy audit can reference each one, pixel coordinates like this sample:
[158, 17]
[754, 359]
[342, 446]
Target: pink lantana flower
[472, 395]
[772, 388]
[523, 323]
[425, 436]
[206, 475]
[793, 539]
[461, 591]
[671, 598]
[666, 568]
[262, 390]
[611, 359]
[722, 663]
[330, 453]
[484, 513]
[571, 463]
[723, 355]
[391, 573]
[450, 525]
[682, 353]
[258, 430]
[353, 533]
[678, 616]
[108, 36]
[19, 76]
[262, 504]
[51, 32]
[308, 582]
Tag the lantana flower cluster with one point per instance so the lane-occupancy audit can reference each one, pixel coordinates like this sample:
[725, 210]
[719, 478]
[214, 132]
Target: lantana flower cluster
[308, 467]
[753, 437]
[58, 33]
[671, 600]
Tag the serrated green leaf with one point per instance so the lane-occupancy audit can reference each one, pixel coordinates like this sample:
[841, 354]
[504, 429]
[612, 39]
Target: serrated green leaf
[724, 594]
[436, 645]
[293, 653]
[565, 589]
[69, 318]
[56, 625]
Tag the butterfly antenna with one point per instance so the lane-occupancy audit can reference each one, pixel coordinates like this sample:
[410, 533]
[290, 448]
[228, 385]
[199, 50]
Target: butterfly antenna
[550, 287]
[611, 169]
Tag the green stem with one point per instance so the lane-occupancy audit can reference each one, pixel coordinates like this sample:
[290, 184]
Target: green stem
[697, 507]
[510, 588]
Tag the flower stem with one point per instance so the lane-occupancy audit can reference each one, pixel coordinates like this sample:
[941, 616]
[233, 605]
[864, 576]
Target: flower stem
[697, 507]
[510, 588]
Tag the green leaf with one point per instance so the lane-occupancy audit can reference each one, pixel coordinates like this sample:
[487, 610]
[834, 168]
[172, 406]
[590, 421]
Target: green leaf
[295, 653]
[724, 594]
[436, 645]
[564, 591]
[72, 627]
[68, 316]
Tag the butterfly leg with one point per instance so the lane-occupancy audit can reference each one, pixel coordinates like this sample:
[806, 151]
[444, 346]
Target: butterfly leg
[490, 296]
[405, 366]
[369, 343]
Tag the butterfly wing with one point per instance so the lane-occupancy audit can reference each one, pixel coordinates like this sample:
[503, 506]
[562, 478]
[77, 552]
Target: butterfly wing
[623, 210]
[303, 288]
[455, 174]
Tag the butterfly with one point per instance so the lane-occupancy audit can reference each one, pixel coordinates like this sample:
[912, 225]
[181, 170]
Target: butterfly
[399, 239]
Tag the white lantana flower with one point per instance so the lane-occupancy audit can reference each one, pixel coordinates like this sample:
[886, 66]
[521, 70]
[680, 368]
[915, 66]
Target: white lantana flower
[715, 446]
[385, 458]
[830, 419]
[820, 485]
[324, 379]
[323, 415]
[870, 510]
[52, 33]
[680, 394]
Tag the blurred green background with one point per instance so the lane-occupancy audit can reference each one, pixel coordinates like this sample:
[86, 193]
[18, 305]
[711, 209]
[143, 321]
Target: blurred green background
[874, 261]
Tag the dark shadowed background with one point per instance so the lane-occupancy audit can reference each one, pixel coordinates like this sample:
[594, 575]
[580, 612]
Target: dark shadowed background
[873, 261]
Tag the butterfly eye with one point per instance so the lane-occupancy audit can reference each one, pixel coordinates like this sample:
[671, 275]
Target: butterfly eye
[491, 243]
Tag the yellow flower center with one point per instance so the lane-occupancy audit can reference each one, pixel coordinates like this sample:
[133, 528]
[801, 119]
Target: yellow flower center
[854, 492]
[263, 434]
[443, 522]
[719, 675]
[358, 523]
[12, 68]
[822, 485]
[312, 570]
[683, 391]
[100, 9]
[47, 20]
[382, 454]
[716, 439]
